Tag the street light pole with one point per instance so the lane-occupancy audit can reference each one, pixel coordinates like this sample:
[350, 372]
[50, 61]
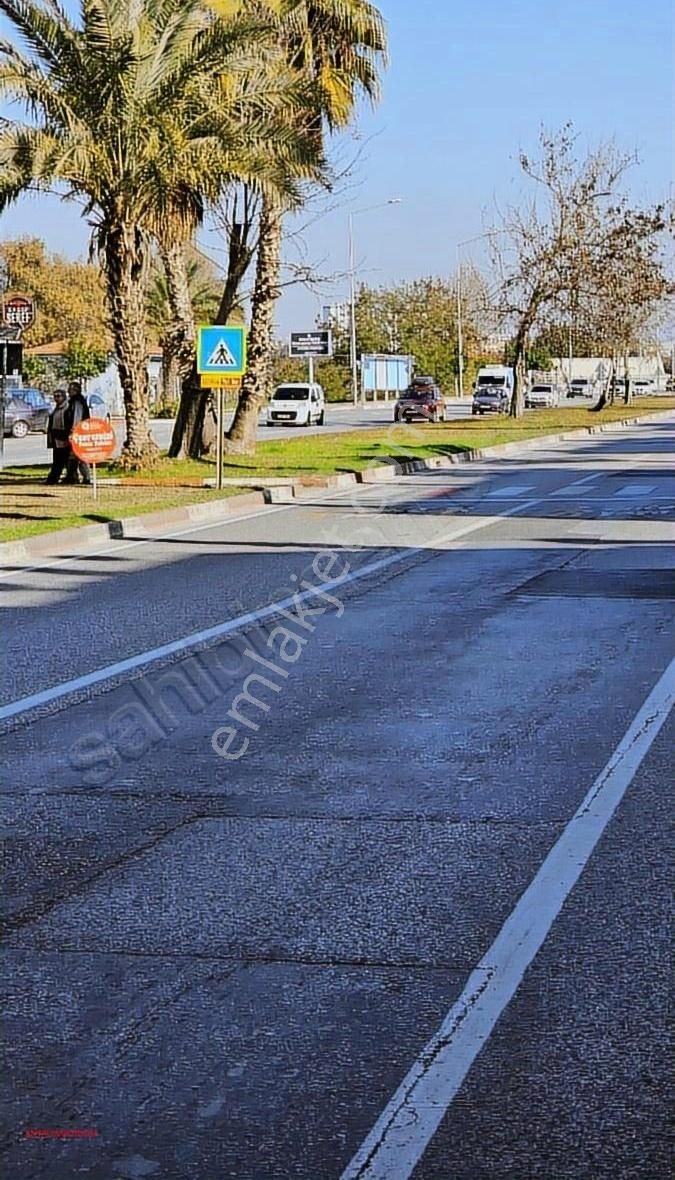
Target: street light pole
[460, 327]
[352, 293]
[492, 233]
[4, 283]
[352, 313]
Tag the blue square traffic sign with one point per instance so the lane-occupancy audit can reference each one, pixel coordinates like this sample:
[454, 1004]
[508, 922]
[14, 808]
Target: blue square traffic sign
[221, 350]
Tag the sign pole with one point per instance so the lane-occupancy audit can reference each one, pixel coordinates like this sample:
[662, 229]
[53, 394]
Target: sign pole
[310, 361]
[94, 485]
[219, 441]
[3, 399]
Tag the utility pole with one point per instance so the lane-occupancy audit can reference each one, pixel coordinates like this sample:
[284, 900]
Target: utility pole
[352, 313]
[4, 284]
[460, 327]
[352, 292]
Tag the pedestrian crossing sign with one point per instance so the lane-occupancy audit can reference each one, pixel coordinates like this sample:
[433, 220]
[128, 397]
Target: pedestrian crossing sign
[221, 350]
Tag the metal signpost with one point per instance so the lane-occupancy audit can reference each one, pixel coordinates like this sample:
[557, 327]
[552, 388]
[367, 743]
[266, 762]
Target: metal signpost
[308, 345]
[93, 441]
[221, 363]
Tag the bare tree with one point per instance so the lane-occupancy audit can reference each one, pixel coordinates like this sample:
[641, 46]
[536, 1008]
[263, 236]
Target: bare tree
[562, 249]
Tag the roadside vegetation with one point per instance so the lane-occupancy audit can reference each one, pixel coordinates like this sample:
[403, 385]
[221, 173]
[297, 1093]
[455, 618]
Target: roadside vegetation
[156, 116]
[168, 483]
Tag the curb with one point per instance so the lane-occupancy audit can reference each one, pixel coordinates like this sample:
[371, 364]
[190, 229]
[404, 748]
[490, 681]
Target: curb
[286, 491]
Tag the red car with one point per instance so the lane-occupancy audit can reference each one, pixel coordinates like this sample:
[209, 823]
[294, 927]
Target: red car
[422, 399]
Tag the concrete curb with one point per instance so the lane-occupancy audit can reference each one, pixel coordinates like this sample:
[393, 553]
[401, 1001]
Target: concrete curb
[285, 491]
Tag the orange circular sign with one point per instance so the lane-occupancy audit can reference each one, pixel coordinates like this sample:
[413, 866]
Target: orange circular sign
[93, 440]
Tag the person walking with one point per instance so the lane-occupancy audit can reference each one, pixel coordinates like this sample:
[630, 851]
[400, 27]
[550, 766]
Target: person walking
[57, 437]
[76, 412]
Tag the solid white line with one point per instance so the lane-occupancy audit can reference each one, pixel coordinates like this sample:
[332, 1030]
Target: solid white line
[199, 638]
[403, 1131]
[153, 539]
[508, 492]
[636, 489]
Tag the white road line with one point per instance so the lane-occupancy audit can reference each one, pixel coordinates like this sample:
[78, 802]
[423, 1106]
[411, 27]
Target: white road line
[401, 1135]
[120, 547]
[220, 630]
[509, 492]
[636, 489]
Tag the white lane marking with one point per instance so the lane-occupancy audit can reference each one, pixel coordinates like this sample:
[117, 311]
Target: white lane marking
[199, 638]
[636, 489]
[118, 547]
[571, 488]
[403, 1131]
[509, 492]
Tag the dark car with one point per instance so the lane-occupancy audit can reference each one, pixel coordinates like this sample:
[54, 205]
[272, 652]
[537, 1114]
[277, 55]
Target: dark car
[21, 417]
[491, 399]
[422, 399]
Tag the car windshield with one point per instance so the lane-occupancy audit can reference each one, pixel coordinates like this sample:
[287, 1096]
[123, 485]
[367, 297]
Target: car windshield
[417, 394]
[488, 391]
[289, 393]
[541, 388]
[494, 381]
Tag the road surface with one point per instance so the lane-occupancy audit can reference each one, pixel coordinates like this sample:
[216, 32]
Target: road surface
[20, 452]
[399, 906]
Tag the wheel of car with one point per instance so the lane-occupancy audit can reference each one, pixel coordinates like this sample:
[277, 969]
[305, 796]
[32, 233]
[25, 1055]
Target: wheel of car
[308, 421]
[19, 428]
[322, 418]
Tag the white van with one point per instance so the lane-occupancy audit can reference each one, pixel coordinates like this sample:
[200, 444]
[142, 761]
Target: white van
[297, 404]
[495, 377]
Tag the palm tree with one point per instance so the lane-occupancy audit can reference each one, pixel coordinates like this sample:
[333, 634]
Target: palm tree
[202, 304]
[141, 112]
[338, 46]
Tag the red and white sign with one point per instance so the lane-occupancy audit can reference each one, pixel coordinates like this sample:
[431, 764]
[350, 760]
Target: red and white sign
[20, 311]
[93, 440]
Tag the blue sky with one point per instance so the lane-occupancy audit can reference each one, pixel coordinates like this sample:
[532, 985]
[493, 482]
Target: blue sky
[468, 85]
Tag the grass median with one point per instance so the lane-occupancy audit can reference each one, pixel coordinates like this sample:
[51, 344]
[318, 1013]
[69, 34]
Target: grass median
[28, 508]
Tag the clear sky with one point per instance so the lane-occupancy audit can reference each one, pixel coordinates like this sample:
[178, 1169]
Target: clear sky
[469, 83]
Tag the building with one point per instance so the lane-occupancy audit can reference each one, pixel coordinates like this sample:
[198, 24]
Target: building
[107, 384]
[597, 369]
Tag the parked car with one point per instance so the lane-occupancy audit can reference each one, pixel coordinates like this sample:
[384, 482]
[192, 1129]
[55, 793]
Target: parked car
[670, 385]
[297, 404]
[422, 399]
[21, 418]
[542, 395]
[644, 388]
[35, 398]
[491, 399]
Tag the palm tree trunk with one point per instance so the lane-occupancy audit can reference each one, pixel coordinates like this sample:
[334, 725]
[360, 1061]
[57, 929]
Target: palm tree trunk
[181, 337]
[241, 437]
[194, 433]
[170, 373]
[125, 262]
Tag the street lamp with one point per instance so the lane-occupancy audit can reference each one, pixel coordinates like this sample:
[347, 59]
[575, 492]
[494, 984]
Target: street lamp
[352, 291]
[4, 284]
[493, 233]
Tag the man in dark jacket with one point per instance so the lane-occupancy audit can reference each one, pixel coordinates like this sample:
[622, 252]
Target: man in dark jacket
[76, 412]
[57, 437]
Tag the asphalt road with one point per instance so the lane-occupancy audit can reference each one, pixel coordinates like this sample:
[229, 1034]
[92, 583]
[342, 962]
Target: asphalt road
[400, 911]
[26, 451]
[21, 452]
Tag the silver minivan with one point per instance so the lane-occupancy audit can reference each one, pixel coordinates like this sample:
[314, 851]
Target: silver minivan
[297, 404]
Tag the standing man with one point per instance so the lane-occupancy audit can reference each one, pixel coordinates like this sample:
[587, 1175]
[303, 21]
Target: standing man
[57, 437]
[76, 412]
